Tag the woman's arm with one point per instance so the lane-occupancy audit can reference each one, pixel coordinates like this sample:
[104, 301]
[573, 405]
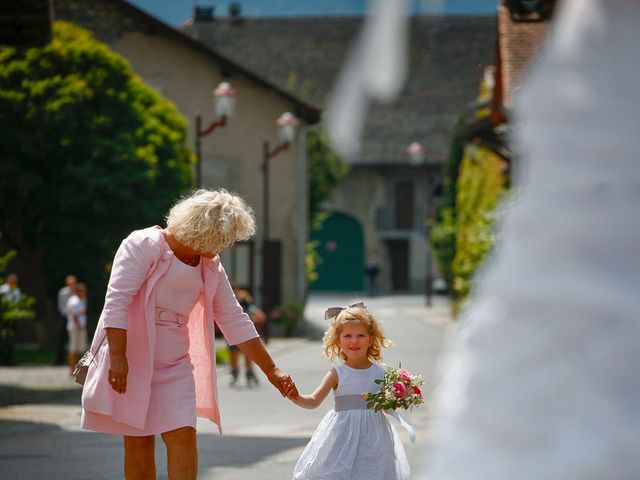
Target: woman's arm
[312, 401]
[118, 365]
[255, 350]
[133, 261]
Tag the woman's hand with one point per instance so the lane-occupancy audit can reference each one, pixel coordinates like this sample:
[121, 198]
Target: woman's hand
[283, 383]
[118, 370]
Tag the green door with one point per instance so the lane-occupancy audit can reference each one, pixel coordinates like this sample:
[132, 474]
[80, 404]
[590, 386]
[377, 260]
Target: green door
[341, 247]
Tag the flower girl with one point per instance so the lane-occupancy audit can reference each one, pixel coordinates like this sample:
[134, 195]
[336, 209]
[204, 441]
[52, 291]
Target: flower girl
[352, 442]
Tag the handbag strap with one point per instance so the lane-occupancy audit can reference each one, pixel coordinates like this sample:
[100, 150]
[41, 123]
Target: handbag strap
[93, 355]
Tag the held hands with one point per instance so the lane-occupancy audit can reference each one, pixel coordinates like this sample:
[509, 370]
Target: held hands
[118, 370]
[283, 383]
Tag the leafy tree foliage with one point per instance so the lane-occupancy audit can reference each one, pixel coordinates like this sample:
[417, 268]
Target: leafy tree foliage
[481, 184]
[88, 152]
[325, 172]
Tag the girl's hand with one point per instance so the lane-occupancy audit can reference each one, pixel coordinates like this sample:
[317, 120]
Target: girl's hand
[118, 370]
[283, 383]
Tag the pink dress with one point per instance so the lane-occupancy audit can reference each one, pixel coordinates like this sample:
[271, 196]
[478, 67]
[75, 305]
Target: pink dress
[173, 392]
[145, 297]
[172, 403]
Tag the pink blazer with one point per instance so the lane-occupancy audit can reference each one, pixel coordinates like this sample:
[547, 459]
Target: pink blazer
[141, 260]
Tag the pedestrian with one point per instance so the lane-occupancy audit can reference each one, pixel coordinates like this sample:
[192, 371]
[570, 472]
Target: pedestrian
[10, 290]
[258, 317]
[352, 442]
[156, 372]
[64, 294]
[371, 271]
[77, 324]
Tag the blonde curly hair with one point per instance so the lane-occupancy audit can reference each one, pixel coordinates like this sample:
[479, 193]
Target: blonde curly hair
[211, 220]
[355, 316]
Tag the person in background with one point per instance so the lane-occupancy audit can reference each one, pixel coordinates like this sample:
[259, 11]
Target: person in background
[371, 271]
[258, 317]
[77, 324]
[64, 294]
[10, 289]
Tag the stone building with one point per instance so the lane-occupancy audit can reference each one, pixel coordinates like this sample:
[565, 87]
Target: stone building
[380, 209]
[186, 71]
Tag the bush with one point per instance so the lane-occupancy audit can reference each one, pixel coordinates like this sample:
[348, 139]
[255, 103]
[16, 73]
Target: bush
[288, 315]
[481, 184]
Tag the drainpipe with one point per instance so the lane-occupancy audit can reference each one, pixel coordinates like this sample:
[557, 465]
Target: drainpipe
[303, 209]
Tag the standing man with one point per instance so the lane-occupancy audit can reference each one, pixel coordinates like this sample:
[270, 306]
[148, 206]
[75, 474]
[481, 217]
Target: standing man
[77, 324]
[371, 271]
[64, 295]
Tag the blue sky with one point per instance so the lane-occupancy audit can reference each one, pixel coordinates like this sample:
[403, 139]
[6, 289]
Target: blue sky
[175, 12]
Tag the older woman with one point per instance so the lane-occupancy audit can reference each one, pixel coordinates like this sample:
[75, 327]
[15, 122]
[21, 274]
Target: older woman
[156, 370]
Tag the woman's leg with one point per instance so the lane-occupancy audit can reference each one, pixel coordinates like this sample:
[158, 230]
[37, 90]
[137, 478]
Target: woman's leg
[139, 461]
[182, 453]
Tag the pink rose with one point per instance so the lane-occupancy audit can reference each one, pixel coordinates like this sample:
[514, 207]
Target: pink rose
[400, 389]
[364, 396]
[417, 391]
[404, 375]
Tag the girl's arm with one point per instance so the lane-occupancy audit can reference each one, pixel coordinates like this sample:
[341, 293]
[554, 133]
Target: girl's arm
[329, 381]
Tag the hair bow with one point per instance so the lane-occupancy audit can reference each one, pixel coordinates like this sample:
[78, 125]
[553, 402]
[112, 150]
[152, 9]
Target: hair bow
[332, 312]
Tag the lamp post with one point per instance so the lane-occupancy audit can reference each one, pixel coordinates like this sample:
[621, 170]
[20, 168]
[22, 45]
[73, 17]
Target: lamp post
[417, 159]
[287, 126]
[224, 97]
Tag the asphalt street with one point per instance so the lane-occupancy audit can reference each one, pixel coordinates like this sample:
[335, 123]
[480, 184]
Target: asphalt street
[263, 433]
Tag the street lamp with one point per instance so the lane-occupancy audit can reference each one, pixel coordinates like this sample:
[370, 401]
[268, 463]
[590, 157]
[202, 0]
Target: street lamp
[287, 126]
[224, 99]
[417, 159]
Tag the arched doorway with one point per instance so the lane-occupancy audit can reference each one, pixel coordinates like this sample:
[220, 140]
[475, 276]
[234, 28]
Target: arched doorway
[341, 247]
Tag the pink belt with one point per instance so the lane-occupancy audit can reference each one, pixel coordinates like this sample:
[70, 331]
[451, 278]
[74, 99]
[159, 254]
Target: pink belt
[171, 316]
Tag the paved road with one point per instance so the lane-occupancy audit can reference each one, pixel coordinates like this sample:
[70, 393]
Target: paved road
[264, 433]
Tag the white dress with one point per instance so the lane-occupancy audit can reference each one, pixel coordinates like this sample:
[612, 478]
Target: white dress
[353, 442]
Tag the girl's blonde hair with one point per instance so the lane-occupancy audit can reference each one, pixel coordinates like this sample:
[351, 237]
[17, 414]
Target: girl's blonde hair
[211, 220]
[355, 316]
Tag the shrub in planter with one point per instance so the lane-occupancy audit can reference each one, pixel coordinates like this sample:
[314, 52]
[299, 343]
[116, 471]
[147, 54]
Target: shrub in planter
[11, 311]
[287, 315]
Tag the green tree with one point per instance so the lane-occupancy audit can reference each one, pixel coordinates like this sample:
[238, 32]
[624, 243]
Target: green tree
[87, 153]
[325, 172]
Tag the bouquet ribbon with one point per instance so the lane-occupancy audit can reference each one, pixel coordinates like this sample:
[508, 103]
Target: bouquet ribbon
[404, 423]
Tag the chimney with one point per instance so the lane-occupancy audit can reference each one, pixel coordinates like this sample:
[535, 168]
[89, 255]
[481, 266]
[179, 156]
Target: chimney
[235, 13]
[203, 27]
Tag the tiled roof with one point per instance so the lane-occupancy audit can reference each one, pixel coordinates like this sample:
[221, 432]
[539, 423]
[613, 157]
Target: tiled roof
[109, 19]
[518, 42]
[303, 55]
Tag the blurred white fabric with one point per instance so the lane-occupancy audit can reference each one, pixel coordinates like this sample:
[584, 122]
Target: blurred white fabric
[543, 378]
[376, 68]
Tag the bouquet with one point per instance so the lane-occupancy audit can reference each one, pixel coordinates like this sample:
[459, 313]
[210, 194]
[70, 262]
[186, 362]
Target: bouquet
[399, 389]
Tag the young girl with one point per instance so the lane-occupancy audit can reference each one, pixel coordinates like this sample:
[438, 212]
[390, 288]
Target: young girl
[352, 442]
